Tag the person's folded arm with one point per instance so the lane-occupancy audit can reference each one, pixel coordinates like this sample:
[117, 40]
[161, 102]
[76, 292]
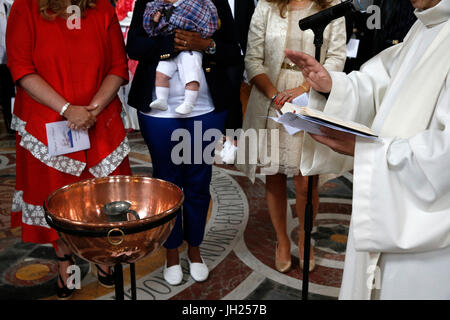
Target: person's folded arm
[254, 58]
[20, 38]
[336, 54]
[119, 63]
[406, 207]
[118, 72]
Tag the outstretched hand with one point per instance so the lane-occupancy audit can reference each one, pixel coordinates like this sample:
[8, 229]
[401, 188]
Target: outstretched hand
[313, 72]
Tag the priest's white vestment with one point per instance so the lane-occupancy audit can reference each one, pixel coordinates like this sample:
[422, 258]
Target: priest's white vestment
[399, 239]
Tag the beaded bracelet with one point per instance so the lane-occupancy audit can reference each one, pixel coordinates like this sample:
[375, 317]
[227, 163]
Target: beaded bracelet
[64, 108]
[274, 97]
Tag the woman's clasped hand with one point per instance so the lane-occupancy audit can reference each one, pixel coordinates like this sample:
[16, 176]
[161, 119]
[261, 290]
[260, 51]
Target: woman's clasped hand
[80, 117]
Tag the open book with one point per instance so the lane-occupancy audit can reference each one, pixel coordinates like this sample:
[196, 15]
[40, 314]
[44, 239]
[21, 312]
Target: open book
[295, 119]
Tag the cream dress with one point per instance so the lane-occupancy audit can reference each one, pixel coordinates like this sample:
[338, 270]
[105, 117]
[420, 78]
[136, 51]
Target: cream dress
[289, 146]
[269, 34]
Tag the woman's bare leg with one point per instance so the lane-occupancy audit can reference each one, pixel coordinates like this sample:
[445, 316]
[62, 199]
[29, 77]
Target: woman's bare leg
[63, 265]
[276, 195]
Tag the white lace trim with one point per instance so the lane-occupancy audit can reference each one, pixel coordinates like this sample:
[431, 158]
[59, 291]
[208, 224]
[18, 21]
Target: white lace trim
[111, 162]
[17, 201]
[31, 214]
[40, 151]
[65, 164]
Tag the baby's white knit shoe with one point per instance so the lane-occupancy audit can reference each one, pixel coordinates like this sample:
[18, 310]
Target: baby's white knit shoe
[159, 104]
[184, 108]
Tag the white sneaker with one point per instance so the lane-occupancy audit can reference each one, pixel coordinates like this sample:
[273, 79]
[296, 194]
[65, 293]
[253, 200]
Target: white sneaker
[199, 271]
[228, 153]
[173, 275]
[184, 108]
[159, 104]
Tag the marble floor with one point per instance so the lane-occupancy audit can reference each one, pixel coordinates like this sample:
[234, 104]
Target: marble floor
[238, 248]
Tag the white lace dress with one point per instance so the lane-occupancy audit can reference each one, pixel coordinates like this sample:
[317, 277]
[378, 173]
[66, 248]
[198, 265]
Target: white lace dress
[289, 146]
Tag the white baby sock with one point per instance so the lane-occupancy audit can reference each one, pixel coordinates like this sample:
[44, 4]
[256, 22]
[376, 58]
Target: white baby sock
[162, 94]
[190, 96]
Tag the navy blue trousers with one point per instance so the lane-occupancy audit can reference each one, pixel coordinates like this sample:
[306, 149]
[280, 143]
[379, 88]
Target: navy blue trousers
[192, 176]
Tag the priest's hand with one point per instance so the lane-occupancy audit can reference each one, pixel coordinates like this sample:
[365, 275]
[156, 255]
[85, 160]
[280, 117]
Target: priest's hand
[313, 72]
[341, 142]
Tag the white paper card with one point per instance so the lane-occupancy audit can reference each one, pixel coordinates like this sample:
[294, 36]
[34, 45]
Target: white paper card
[62, 140]
[293, 124]
[301, 101]
[352, 48]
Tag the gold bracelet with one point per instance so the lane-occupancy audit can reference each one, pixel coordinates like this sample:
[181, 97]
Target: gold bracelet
[305, 88]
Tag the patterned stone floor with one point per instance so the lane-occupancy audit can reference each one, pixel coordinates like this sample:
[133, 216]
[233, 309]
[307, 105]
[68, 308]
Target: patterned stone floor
[239, 244]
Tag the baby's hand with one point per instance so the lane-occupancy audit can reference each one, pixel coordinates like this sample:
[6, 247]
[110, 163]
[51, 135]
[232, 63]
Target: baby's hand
[157, 17]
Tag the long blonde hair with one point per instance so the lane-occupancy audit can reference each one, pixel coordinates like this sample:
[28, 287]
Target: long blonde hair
[282, 5]
[52, 8]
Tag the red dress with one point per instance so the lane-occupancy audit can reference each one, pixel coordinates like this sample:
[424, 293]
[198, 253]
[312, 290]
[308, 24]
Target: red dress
[74, 62]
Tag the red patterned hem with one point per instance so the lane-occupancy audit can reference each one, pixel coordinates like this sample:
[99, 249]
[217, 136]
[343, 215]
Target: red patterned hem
[33, 234]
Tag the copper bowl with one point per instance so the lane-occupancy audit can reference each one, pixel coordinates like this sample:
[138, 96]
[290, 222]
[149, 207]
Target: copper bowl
[75, 211]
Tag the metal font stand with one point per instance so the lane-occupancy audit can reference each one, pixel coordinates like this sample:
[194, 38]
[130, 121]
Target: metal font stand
[118, 281]
[309, 210]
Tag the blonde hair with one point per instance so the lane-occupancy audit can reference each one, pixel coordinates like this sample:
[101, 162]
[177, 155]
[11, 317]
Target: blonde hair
[282, 5]
[52, 8]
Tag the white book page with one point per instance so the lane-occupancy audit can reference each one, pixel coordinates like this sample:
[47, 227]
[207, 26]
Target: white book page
[294, 124]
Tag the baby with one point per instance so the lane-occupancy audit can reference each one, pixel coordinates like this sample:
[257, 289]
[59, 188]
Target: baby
[162, 17]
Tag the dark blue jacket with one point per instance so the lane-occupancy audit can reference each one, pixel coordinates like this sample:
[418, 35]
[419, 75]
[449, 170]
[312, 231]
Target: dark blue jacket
[149, 51]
